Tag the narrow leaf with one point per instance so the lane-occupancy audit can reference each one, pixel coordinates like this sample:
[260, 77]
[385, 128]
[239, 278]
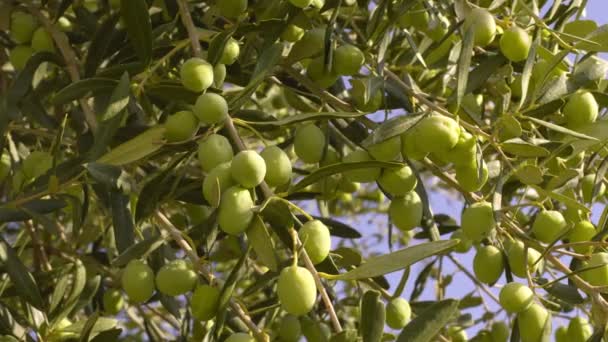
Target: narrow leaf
[21, 278]
[139, 28]
[427, 325]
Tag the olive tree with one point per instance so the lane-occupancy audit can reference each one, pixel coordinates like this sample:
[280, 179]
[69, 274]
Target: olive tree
[260, 170]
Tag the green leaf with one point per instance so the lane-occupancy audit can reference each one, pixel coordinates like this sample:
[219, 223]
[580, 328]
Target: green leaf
[79, 280]
[88, 327]
[429, 323]
[336, 228]
[122, 221]
[528, 67]
[391, 128]
[262, 244]
[138, 250]
[119, 99]
[108, 175]
[596, 41]
[395, 261]
[100, 44]
[304, 117]
[79, 89]
[135, 149]
[372, 317]
[562, 291]
[217, 45]
[139, 28]
[561, 129]
[333, 169]
[21, 278]
[571, 202]
[521, 148]
[170, 91]
[464, 64]
[23, 83]
[101, 324]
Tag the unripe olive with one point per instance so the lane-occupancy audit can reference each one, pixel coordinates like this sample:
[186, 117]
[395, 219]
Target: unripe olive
[387, 150]
[548, 225]
[561, 334]
[438, 28]
[597, 276]
[236, 210]
[296, 290]
[309, 143]
[518, 261]
[231, 52]
[292, 33]
[408, 147]
[467, 176]
[240, 337]
[406, 212]
[531, 323]
[196, 74]
[248, 169]
[22, 27]
[181, 126]
[357, 94]
[36, 164]
[398, 313]
[457, 334]
[465, 243]
[364, 175]
[300, 3]
[348, 60]
[464, 153]
[219, 75]
[581, 109]
[42, 41]
[579, 330]
[214, 150]
[416, 16]
[316, 72]
[138, 281]
[398, 182]
[347, 186]
[515, 44]
[483, 25]
[311, 44]
[318, 4]
[175, 278]
[211, 108]
[587, 186]
[204, 302]
[19, 56]
[478, 221]
[316, 240]
[278, 166]
[515, 297]
[290, 329]
[436, 133]
[499, 332]
[488, 264]
[113, 301]
[582, 231]
[231, 8]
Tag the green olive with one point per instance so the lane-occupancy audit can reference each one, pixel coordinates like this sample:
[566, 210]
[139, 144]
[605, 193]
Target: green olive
[309, 143]
[36, 164]
[386, 150]
[465, 243]
[518, 262]
[22, 27]
[435, 133]
[196, 74]
[468, 176]
[278, 166]
[113, 301]
[138, 281]
[357, 94]
[405, 212]
[548, 225]
[515, 44]
[531, 323]
[236, 210]
[348, 60]
[464, 152]
[219, 75]
[438, 28]
[19, 56]
[561, 334]
[597, 276]
[416, 16]
[483, 25]
[582, 231]
[398, 313]
[408, 147]
[204, 302]
[457, 334]
[231, 8]
[292, 33]
[316, 240]
[301, 3]
[290, 329]
[398, 182]
[316, 71]
[363, 175]
[211, 108]
[181, 126]
[296, 290]
[588, 185]
[231, 52]
[311, 44]
[42, 41]
[478, 221]
[515, 297]
[579, 330]
[240, 337]
[488, 264]
[214, 150]
[175, 278]
[581, 109]
[248, 169]
[499, 332]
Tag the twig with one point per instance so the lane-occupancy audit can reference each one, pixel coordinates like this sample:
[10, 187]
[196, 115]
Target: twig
[184, 13]
[472, 277]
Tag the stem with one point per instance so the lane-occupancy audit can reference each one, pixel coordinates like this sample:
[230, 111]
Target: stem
[473, 279]
[184, 13]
